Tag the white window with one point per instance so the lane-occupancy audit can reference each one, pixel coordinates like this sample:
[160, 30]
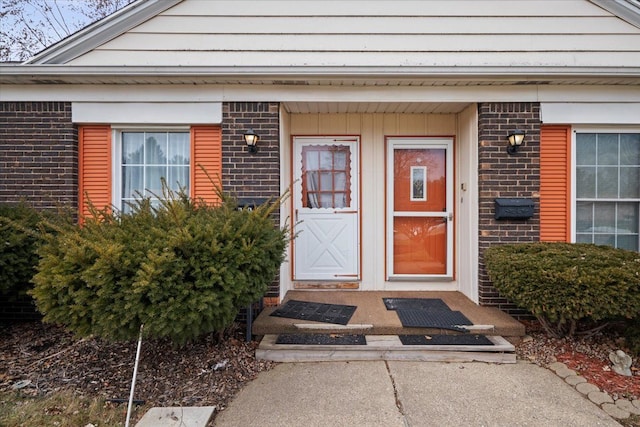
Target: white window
[146, 157]
[607, 188]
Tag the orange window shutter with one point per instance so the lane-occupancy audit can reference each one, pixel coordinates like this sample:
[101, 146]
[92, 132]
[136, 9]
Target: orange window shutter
[206, 153]
[94, 174]
[555, 173]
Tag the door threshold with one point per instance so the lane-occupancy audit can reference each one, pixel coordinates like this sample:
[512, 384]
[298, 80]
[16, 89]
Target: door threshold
[326, 285]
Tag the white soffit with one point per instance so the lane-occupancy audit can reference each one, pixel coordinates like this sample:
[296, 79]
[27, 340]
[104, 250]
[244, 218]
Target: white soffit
[590, 113]
[164, 113]
[374, 107]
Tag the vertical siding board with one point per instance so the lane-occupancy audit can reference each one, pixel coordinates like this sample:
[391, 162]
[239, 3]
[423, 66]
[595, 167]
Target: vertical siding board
[554, 183]
[94, 167]
[206, 146]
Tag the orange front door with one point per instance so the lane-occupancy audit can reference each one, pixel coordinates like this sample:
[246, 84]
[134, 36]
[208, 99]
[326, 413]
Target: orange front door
[419, 208]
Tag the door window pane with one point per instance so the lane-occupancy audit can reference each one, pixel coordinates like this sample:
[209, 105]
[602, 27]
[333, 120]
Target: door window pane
[326, 176]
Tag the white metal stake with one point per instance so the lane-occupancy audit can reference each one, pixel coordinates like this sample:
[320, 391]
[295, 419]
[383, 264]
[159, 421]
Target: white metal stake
[133, 380]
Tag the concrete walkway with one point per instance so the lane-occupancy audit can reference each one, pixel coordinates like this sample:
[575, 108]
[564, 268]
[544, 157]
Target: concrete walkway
[412, 394]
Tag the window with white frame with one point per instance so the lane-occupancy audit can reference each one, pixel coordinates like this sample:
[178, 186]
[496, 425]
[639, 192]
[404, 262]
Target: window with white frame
[146, 158]
[607, 189]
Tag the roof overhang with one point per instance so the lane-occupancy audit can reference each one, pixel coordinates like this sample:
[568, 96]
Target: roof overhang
[627, 10]
[101, 31]
[352, 76]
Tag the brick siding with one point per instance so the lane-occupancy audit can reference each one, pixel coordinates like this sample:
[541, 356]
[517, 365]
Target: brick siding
[38, 154]
[251, 175]
[505, 175]
[38, 165]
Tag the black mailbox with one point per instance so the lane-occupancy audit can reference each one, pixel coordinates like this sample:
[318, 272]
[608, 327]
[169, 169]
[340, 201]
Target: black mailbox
[514, 208]
[248, 203]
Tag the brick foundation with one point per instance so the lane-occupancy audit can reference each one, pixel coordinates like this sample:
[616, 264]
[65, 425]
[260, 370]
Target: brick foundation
[506, 175]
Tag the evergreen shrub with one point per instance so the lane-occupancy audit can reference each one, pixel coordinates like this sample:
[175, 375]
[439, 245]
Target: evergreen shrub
[183, 268]
[565, 285]
[19, 239]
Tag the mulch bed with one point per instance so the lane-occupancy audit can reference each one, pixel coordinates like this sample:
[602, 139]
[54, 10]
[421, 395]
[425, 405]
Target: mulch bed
[589, 357]
[211, 371]
[204, 373]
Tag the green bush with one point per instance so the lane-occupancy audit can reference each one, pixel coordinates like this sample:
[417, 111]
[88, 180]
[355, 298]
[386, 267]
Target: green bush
[19, 240]
[182, 269]
[565, 284]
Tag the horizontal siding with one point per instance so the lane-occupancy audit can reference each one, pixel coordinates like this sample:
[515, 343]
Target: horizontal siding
[382, 33]
[260, 25]
[554, 183]
[388, 8]
[432, 59]
[372, 42]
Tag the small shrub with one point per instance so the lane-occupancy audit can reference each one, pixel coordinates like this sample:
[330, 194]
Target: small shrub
[182, 269]
[19, 239]
[565, 284]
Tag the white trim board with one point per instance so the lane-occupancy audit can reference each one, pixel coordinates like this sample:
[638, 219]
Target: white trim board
[215, 93]
[165, 113]
[590, 113]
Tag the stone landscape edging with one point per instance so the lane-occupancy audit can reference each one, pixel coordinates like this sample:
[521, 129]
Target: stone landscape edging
[620, 409]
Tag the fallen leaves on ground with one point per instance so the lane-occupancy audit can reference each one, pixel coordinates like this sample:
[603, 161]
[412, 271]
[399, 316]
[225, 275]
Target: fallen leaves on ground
[47, 359]
[588, 357]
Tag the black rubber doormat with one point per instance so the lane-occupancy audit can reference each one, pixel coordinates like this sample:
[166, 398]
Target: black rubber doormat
[440, 339]
[433, 319]
[315, 311]
[415, 304]
[322, 339]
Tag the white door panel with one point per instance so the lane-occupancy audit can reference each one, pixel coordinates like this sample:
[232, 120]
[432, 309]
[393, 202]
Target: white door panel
[326, 200]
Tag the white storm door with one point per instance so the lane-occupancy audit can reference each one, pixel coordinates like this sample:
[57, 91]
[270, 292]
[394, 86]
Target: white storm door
[326, 209]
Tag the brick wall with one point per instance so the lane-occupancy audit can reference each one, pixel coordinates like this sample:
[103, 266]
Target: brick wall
[38, 165]
[38, 154]
[248, 175]
[506, 175]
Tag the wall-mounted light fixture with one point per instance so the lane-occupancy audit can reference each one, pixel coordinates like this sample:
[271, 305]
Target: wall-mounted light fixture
[515, 138]
[251, 138]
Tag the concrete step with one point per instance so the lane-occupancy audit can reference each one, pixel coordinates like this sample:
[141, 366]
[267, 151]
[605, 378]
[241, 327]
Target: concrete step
[176, 416]
[387, 347]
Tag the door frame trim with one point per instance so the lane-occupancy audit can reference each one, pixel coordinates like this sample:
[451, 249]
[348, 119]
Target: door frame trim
[392, 142]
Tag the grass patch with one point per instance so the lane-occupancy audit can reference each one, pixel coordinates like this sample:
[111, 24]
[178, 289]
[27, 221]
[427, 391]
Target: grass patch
[62, 409]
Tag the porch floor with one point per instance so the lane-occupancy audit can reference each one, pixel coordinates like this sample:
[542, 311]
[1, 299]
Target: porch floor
[372, 317]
